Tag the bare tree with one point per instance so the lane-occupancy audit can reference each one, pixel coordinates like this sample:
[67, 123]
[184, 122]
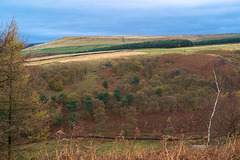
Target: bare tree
[215, 105]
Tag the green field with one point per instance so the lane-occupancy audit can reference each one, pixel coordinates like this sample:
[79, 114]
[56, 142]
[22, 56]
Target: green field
[62, 50]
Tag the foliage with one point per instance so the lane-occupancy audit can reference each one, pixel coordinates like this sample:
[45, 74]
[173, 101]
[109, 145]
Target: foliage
[72, 106]
[135, 80]
[62, 98]
[51, 83]
[72, 120]
[42, 135]
[58, 119]
[43, 98]
[169, 131]
[100, 120]
[58, 86]
[105, 84]
[159, 91]
[131, 122]
[117, 94]
[88, 104]
[103, 97]
[174, 43]
[54, 98]
[127, 99]
[218, 41]
[24, 117]
[154, 106]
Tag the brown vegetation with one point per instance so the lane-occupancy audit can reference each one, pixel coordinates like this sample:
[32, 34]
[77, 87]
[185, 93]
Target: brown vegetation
[169, 151]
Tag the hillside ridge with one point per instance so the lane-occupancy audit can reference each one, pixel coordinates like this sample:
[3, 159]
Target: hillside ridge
[71, 41]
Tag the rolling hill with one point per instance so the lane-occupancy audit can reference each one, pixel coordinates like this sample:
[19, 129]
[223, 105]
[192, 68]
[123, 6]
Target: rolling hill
[84, 43]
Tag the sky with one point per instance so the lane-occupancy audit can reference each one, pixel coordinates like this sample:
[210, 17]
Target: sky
[46, 20]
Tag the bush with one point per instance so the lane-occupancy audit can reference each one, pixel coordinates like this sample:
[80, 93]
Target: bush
[72, 106]
[58, 120]
[88, 104]
[105, 84]
[159, 91]
[169, 131]
[53, 98]
[135, 80]
[43, 98]
[154, 107]
[117, 94]
[51, 83]
[127, 99]
[100, 120]
[58, 86]
[62, 98]
[71, 120]
[103, 97]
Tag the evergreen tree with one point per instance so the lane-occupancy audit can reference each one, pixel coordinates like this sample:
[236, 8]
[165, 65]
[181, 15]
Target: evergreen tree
[127, 99]
[103, 97]
[105, 84]
[88, 104]
[117, 94]
[135, 80]
[62, 98]
[72, 106]
[53, 98]
[159, 91]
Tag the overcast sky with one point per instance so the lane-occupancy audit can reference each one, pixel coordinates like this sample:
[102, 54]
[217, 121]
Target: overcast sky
[46, 20]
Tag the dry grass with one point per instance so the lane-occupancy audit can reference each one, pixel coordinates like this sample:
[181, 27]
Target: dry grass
[64, 59]
[116, 54]
[168, 151]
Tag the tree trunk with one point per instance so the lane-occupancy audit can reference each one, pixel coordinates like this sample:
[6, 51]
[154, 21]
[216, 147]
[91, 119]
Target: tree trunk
[214, 108]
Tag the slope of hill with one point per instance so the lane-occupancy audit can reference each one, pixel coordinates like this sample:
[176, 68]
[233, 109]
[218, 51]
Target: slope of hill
[97, 41]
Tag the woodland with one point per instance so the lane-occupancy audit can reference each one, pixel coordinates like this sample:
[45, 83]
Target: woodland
[145, 97]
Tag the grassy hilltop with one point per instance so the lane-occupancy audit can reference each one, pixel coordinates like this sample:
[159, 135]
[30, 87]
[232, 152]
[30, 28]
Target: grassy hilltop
[84, 43]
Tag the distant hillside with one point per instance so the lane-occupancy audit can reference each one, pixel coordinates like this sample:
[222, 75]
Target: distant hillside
[92, 42]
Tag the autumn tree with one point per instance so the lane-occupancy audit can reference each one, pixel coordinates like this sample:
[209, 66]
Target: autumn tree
[100, 119]
[23, 116]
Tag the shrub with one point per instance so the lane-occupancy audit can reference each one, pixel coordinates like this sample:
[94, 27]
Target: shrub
[58, 120]
[51, 83]
[169, 131]
[43, 98]
[71, 120]
[127, 99]
[62, 98]
[100, 120]
[53, 98]
[72, 106]
[159, 91]
[117, 94]
[58, 86]
[103, 97]
[88, 104]
[71, 97]
[154, 107]
[135, 80]
[105, 84]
